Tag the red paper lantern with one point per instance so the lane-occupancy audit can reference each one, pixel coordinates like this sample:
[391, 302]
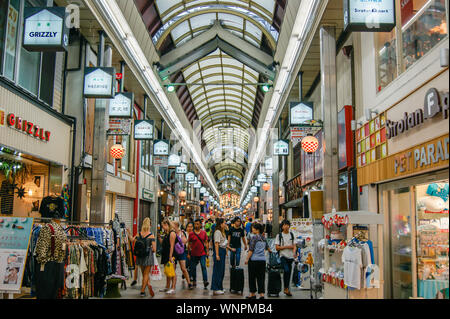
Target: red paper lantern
[266, 186]
[117, 151]
[310, 144]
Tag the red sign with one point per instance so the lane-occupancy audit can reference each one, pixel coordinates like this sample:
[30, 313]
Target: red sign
[119, 76]
[28, 127]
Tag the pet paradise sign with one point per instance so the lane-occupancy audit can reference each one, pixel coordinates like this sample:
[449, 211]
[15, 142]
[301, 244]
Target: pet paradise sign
[45, 29]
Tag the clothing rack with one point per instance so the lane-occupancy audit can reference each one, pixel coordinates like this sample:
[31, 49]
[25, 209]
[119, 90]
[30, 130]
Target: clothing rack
[65, 221]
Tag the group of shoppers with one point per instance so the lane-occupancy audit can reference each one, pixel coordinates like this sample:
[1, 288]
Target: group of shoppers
[191, 246]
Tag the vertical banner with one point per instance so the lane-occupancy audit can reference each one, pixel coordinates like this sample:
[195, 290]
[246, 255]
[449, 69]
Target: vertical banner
[14, 240]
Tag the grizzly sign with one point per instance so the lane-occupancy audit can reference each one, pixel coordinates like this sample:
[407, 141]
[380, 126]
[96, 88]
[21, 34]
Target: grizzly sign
[434, 104]
[28, 127]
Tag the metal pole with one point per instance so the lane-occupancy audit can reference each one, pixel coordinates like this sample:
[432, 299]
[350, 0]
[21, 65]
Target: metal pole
[99, 169]
[300, 85]
[145, 106]
[122, 81]
[329, 116]
[275, 188]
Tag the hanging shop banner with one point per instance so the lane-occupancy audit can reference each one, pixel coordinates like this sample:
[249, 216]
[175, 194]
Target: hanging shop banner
[281, 148]
[160, 161]
[345, 137]
[262, 178]
[190, 177]
[182, 169]
[203, 190]
[369, 16]
[254, 189]
[99, 83]
[122, 105]
[298, 133]
[45, 29]
[300, 113]
[257, 184]
[148, 195]
[161, 148]
[268, 163]
[119, 127]
[198, 185]
[143, 130]
[174, 160]
[14, 240]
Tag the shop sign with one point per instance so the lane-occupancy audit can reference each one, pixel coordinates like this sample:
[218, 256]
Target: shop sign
[268, 163]
[194, 181]
[15, 236]
[369, 16]
[434, 104]
[262, 178]
[190, 177]
[300, 113]
[119, 127]
[161, 148]
[160, 161]
[174, 160]
[148, 195]
[422, 157]
[26, 127]
[143, 129]
[45, 29]
[122, 105]
[182, 169]
[2, 118]
[254, 189]
[203, 190]
[198, 185]
[281, 148]
[257, 184]
[99, 83]
[345, 137]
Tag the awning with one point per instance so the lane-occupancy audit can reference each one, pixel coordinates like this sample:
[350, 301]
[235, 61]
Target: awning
[294, 203]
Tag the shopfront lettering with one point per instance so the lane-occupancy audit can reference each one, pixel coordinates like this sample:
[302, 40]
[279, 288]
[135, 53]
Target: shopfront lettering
[434, 104]
[28, 127]
[431, 154]
[43, 34]
[402, 163]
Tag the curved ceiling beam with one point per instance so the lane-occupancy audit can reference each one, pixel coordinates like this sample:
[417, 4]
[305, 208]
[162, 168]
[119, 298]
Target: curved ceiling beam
[165, 31]
[218, 66]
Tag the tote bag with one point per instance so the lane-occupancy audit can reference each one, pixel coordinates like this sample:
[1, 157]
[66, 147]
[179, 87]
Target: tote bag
[155, 273]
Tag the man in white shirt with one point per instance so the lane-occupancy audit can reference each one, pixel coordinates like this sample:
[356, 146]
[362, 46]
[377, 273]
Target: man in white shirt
[285, 245]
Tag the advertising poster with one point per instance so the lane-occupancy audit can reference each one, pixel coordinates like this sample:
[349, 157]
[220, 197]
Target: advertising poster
[303, 232]
[14, 239]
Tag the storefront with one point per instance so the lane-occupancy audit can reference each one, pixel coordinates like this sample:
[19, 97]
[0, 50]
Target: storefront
[35, 147]
[405, 150]
[145, 205]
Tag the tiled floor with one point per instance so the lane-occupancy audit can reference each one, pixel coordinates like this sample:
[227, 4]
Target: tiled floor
[199, 293]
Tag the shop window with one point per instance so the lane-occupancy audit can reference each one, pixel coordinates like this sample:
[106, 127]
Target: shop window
[32, 71]
[424, 25]
[386, 55]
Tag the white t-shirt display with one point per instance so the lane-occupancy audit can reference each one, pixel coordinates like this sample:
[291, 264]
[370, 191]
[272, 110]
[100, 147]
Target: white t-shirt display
[286, 241]
[352, 259]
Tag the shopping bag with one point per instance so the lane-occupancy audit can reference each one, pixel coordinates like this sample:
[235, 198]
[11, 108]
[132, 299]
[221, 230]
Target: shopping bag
[169, 270]
[155, 273]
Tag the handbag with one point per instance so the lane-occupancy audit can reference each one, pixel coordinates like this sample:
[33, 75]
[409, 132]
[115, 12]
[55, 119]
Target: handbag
[155, 272]
[169, 270]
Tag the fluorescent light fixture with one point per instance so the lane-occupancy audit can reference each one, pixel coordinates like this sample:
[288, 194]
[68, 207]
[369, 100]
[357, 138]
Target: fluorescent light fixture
[110, 12]
[305, 12]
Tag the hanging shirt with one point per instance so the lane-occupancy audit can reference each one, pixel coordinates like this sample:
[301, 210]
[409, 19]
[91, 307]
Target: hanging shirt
[352, 259]
[44, 250]
[52, 207]
[7, 198]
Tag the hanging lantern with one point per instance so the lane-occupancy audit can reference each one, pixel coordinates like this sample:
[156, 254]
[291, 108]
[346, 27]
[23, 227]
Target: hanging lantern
[310, 144]
[117, 151]
[202, 202]
[256, 199]
[182, 194]
[266, 186]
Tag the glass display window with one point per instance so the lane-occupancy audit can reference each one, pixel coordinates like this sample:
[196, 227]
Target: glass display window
[386, 55]
[424, 25]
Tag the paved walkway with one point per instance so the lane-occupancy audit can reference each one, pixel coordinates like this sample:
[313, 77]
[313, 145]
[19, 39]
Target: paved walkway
[199, 293]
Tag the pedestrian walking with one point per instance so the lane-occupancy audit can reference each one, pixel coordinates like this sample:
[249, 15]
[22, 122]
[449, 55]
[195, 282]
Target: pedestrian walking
[220, 253]
[285, 245]
[168, 253]
[256, 261]
[199, 251]
[189, 229]
[144, 247]
[181, 258]
[235, 236]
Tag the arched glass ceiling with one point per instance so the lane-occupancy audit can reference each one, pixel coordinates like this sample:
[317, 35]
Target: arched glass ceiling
[185, 19]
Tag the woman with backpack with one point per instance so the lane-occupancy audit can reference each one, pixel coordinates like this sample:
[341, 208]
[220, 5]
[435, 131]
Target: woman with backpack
[256, 261]
[144, 247]
[168, 253]
[285, 245]
[219, 253]
[181, 241]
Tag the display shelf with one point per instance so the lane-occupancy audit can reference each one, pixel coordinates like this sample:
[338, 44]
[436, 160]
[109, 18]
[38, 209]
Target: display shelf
[403, 271]
[402, 255]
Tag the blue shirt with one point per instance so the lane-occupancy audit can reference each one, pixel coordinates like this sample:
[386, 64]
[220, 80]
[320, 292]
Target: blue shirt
[248, 227]
[258, 246]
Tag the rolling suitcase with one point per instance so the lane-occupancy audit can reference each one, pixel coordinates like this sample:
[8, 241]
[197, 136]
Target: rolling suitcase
[296, 275]
[274, 284]
[237, 280]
